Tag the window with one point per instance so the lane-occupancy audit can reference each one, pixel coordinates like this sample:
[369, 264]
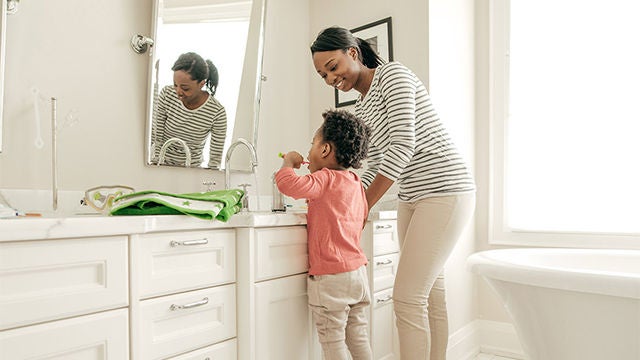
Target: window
[565, 123]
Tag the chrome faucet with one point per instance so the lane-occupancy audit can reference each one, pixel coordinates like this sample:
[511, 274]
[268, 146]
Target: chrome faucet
[227, 167]
[165, 146]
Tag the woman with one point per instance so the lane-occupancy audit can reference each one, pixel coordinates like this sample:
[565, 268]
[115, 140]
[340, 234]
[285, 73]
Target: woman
[410, 145]
[187, 112]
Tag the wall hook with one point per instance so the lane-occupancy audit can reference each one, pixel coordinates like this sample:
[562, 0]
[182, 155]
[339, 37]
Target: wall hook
[140, 44]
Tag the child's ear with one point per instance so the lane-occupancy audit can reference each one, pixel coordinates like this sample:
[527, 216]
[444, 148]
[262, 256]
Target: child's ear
[326, 149]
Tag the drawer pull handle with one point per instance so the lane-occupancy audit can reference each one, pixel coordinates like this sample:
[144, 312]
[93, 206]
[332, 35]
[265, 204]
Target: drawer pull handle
[189, 242]
[383, 227]
[175, 307]
[385, 262]
[383, 300]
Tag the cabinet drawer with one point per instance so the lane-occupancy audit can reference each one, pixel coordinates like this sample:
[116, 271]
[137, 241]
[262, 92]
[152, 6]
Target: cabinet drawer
[223, 351]
[384, 335]
[171, 262]
[385, 237]
[382, 298]
[384, 271]
[281, 251]
[99, 336]
[176, 324]
[54, 279]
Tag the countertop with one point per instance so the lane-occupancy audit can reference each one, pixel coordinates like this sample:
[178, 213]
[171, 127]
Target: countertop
[73, 226]
[36, 228]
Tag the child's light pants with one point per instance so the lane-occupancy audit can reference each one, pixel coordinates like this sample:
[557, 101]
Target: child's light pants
[428, 230]
[338, 303]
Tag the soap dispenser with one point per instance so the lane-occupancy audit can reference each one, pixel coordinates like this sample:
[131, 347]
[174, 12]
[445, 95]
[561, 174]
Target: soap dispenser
[277, 199]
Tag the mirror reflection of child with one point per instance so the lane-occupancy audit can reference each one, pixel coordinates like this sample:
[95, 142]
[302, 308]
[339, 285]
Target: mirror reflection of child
[337, 285]
[190, 113]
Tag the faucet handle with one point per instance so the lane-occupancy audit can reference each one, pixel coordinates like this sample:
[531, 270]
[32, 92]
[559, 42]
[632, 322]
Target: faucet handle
[209, 184]
[245, 197]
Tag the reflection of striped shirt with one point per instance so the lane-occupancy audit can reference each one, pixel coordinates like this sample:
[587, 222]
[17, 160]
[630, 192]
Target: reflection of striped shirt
[172, 119]
[409, 143]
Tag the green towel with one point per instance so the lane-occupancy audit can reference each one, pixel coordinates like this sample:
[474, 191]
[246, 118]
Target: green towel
[219, 204]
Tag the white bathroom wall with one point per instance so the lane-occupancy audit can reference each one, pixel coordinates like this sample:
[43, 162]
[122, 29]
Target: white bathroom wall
[284, 109]
[451, 84]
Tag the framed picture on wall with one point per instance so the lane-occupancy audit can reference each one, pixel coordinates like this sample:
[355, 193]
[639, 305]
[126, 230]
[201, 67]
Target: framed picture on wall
[378, 35]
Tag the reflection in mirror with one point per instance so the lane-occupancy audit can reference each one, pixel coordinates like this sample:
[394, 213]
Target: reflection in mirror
[217, 31]
[186, 115]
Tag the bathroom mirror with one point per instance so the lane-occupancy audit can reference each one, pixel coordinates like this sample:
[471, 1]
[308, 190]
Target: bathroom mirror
[3, 28]
[230, 34]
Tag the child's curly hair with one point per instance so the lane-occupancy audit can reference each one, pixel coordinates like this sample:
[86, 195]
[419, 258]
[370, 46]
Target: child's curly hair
[348, 134]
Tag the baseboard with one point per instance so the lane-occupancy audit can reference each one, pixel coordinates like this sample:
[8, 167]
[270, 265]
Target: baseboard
[484, 336]
[464, 344]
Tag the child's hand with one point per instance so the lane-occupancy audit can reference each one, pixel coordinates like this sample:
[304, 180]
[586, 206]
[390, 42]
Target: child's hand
[292, 159]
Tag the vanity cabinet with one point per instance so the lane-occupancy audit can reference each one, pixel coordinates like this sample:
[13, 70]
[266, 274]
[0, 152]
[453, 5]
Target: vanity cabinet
[380, 244]
[275, 322]
[174, 288]
[64, 298]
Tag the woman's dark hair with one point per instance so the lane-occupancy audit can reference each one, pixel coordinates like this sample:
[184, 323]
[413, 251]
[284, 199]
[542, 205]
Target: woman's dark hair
[349, 136]
[337, 38]
[199, 69]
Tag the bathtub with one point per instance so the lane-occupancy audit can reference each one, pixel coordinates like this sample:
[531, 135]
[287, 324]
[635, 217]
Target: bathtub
[568, 304]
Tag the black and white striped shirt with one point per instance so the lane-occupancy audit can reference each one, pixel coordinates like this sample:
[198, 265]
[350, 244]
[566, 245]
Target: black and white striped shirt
[409, 143]
[172, 119]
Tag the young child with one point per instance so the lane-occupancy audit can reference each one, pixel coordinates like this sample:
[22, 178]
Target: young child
[337, 285]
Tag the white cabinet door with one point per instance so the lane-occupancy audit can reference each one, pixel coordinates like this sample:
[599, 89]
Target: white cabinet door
[283, 321]
[383, 327]
[380, 237]
[165, 263]
[175, 324]
[54, 279]
[280, 251]
[384, 271]
[102, 336]
[385, 237]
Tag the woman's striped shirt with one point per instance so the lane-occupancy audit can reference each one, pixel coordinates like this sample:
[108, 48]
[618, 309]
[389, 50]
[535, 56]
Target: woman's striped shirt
[409, 143]
[172, 119]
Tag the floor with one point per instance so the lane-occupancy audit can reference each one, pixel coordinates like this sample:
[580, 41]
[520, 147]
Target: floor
[491, 357]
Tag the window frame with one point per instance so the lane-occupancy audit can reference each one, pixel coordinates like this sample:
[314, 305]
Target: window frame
[499, 231]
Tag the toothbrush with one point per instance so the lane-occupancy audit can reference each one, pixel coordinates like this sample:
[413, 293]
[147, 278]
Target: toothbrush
[303, 163]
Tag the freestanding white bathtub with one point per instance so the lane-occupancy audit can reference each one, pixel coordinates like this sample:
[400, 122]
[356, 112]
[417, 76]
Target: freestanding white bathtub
[568, 304]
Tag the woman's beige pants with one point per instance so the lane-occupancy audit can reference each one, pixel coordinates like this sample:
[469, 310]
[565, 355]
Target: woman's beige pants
[428, 230]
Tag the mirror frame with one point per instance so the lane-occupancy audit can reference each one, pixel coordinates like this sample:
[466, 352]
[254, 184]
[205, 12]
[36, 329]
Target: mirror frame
[250, 87]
